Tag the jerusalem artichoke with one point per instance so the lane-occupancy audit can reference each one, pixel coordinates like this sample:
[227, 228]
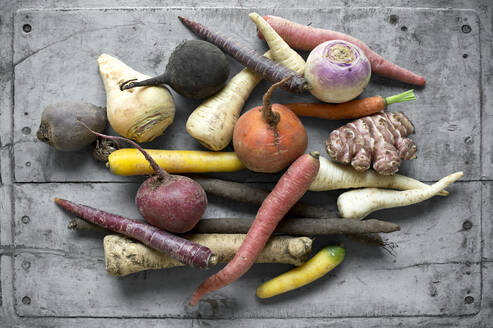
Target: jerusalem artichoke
[380, 137]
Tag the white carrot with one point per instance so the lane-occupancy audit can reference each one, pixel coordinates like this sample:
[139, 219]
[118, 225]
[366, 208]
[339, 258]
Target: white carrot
[280, 50]
[356, 204]
[212, 123]
[333, 176]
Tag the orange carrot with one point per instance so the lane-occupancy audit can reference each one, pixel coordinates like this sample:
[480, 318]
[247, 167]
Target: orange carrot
[290, 188]
[304, 37]
[351, 109]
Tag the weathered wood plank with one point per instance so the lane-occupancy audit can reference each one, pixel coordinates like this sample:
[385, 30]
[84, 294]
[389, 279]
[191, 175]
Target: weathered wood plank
[350, 290]
[436, 258]
[447, 135]
[487, 222]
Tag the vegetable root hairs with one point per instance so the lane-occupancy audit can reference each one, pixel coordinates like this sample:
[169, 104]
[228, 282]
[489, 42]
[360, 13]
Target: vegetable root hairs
[124, 256]
[357, 204]
[380, 138]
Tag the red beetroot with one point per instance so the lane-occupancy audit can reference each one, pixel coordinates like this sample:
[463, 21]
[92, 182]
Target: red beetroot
[290, 188]
[171, 202]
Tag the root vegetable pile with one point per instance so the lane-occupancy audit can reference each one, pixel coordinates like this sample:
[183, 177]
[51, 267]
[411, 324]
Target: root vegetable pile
[379, 138]
[291, 187]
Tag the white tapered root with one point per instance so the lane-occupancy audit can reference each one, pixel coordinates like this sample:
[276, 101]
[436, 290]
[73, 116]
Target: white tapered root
[357, 204]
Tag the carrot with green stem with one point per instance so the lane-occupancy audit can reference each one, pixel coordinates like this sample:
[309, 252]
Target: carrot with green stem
[280, 50]
[303, 37]
[269, 69]
[212, 123]
[183, 250]
[290, 188]
[351, 109]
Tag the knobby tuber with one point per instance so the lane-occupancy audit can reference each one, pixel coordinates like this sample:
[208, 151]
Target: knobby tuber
[380, 138]
[124, 256]
[196, 69]
[61, 129]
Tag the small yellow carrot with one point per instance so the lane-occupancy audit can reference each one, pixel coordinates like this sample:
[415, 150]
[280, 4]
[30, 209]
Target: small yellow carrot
[129, 161]
[319, 265]
[280, 50]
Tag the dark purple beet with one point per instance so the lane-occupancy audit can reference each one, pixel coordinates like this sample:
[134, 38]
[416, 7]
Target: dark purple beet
[171, 202]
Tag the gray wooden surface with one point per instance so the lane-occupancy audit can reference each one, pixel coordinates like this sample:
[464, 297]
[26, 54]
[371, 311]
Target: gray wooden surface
[442, 273]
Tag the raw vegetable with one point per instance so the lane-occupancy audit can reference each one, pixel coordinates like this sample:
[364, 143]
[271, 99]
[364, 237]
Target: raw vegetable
[60, 126]
[212, 123]
[270, 70]
[351, 109]
[333, 176]
[142, 114]
[196, 69]
[338, 71]
[279, 49]
[130, 161]
[380, 138]
[306, 38]
[270, 137]
[241, 192]
[357, 204]
[318, 266]
[290, 188]
[171, 202]
[298, 226]
[124, 256]
[185, 251]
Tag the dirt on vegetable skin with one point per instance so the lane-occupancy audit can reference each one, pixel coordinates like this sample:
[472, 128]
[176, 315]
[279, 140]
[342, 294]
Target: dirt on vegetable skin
[61, 128]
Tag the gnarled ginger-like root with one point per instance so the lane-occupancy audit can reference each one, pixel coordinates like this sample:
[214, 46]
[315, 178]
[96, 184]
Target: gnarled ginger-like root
[381, 138]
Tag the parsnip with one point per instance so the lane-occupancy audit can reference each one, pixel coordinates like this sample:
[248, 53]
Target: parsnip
[333, 176]
[141, 114]
[357, 204]
[213, 121]
[279, 49]
[124, 256]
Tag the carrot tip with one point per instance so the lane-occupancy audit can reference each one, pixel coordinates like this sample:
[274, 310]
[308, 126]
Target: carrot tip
[57, 200]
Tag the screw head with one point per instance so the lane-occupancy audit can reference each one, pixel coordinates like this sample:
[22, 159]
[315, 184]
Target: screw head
[25, 219]
[467, 225]
[26, 300]
[466, 28]
[26, 265]
[26, 28]
[469, 300]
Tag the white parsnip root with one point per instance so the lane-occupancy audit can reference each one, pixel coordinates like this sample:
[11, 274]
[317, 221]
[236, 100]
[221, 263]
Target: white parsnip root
[333, 176]
[279, 49]
[212, 123]
[357, 204]
[124, 256]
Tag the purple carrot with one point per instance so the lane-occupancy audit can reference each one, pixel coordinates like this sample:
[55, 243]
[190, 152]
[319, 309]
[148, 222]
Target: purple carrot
[270, 70]
[183, 250]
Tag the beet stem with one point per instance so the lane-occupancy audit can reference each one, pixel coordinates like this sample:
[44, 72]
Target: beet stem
[272, 118]
[153, 81]
[163, 175]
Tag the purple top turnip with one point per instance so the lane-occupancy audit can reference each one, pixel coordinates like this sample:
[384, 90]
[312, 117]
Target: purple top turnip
[337, 71]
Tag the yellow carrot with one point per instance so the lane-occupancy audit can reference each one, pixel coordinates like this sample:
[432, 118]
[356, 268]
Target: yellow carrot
[319, 265]
[213, 121]
[130, 161]
[279, 49]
